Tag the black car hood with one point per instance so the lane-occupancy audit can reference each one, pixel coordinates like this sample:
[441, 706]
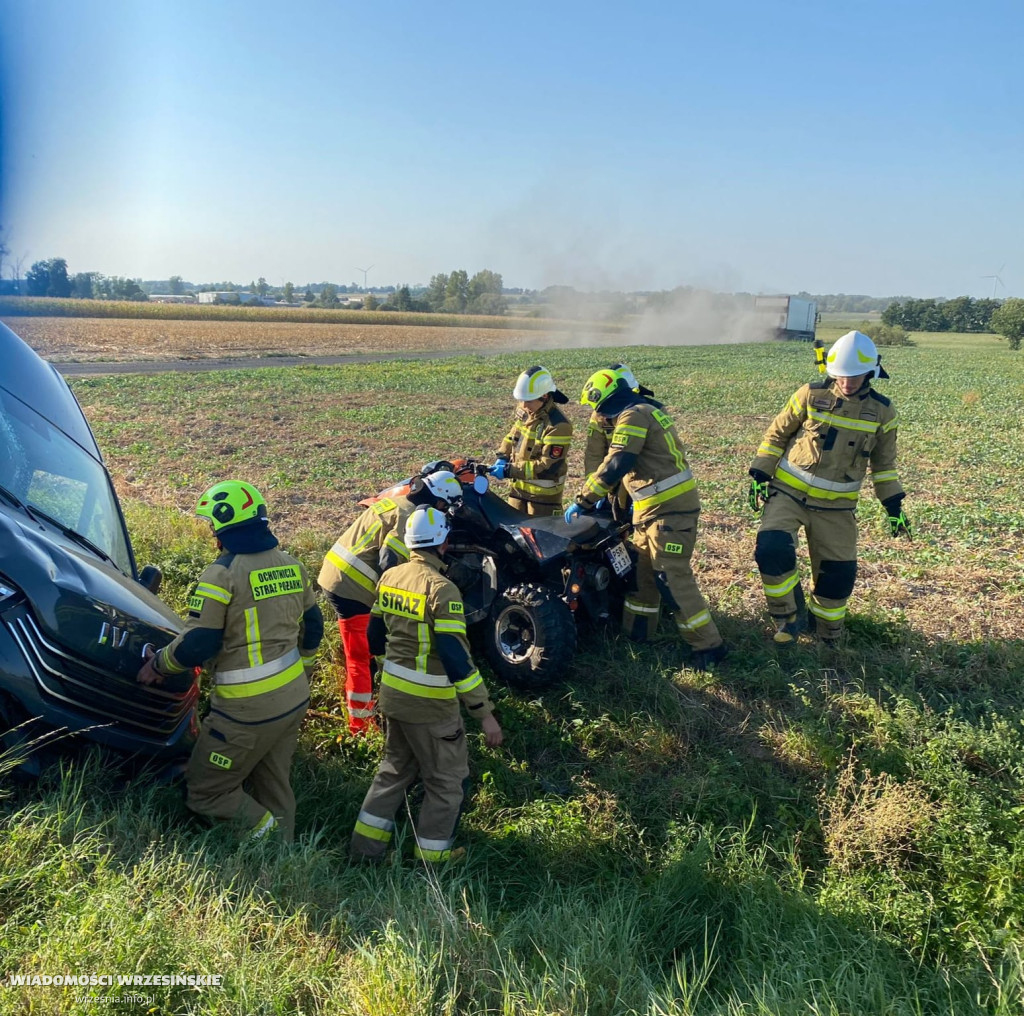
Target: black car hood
[82, 602]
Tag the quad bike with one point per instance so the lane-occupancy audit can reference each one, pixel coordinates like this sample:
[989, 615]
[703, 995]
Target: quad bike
[527, 580]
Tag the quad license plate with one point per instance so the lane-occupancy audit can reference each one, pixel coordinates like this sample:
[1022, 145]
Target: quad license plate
[619, 558]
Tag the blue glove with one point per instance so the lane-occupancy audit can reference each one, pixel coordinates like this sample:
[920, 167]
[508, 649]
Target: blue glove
[573, 512]
[499, 470]
[601, 504]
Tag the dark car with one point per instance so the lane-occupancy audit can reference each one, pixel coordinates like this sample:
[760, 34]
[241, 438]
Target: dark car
[76, 616]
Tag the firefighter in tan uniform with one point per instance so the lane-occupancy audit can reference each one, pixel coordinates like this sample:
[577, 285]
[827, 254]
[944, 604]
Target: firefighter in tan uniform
[808, 473]
[254, 620]
[599, 436]
[646, 456]
[533, 456]
[419, 626]
[351, 569]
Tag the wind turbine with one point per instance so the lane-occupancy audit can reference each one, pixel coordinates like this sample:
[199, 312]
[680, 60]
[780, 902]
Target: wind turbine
[365, 270]
[996, 281]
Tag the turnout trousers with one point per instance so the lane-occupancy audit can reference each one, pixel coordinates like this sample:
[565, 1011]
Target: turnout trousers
[358, 688]
[535, 507]
[239, 770]
[436, 754]
[665, 545]
[832, 545]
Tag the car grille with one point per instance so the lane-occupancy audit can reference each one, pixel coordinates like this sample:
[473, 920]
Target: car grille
[150, 713]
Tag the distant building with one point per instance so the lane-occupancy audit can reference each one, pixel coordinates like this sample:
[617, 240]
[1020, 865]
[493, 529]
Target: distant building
[174, 298]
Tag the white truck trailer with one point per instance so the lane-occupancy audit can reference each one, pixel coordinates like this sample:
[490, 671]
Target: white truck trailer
[787, 317]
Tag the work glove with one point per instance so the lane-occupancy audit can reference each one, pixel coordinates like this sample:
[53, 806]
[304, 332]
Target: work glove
[573, 512]
[499, 470]
[899, 524]
[757, 496]
[601, 505]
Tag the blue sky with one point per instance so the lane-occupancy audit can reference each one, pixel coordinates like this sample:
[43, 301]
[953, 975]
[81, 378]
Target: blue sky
[863, 147]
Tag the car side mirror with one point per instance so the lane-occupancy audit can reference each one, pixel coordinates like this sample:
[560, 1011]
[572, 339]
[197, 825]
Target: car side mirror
[151, 577]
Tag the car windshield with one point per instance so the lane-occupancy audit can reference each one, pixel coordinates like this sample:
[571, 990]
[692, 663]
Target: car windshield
[45, 469]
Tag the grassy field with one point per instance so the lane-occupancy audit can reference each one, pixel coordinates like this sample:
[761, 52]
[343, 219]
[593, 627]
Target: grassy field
[805, 833]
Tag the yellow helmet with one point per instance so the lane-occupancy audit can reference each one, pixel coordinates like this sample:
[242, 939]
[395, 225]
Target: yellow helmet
[230, 503]
[598, 387]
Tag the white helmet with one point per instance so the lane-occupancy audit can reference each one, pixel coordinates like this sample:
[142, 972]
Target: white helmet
[533, 383]
[853, 354]
[443, 484]
[426, 527]
[627, 375]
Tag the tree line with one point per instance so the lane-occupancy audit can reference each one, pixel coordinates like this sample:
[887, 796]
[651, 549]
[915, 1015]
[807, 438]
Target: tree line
[961, 314]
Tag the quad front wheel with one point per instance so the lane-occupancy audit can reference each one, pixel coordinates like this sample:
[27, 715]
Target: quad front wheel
[532, 636]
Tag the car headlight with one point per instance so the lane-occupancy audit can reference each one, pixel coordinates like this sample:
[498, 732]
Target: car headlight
[7, 590]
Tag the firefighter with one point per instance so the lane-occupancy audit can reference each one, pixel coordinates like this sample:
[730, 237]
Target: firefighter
[808, 473]
[253, 619]
[419, 626]
[599, 433]
[646, 456]
[534, 453]
[349, 575]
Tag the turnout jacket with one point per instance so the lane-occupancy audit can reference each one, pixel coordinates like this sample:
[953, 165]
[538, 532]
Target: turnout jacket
[819, 448]
[371, 545]
[647, 457]
[254, 618]
[427, 668]
[537, 446]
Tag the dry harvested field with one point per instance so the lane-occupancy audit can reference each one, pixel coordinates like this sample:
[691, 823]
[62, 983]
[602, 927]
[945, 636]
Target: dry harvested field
[65, 340]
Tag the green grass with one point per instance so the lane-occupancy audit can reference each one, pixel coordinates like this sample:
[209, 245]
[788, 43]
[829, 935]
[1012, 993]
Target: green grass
[795, 834]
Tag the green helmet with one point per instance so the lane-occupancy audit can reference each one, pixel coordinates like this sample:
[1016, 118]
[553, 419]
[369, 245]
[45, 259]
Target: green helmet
[598, 387]
[230, 503]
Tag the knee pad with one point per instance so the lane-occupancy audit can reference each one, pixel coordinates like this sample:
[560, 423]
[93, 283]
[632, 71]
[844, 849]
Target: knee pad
[836, 579]
[775, 552]
[661, 581]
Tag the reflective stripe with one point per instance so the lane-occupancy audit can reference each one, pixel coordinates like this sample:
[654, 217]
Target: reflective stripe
[212, 592]
[657, 488]
[164, 663]
[555, 439]
[246, 674]
[264, 826]
[826, 613]
[419, 676]
[796, 405]
[455, 627]
[885, 476]
[415, 688]
[360, 714]
[800, 479]
[592, 483]
[844, 422]
[540, 484]
[359, 696]
[397, 546]
[627, 431]
[664, 490]
[369, 537]
[434, 845]
[695, 622]
[375, 820]
[358, 570]
[783, 587]
[469, 683]
[891, 425]
[640, 608]
[370, 832]
[770, 449]
[252, 637]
